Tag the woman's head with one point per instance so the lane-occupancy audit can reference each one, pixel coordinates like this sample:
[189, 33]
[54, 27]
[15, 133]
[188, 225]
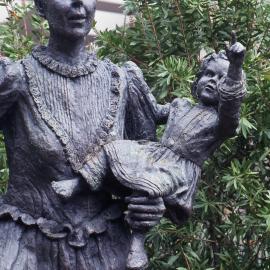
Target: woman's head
[213, 68]
[68, 18]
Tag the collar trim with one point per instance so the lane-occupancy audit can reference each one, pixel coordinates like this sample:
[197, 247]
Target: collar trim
[41, 55]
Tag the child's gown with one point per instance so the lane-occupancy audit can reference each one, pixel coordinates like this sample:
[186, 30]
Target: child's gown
[172, 167]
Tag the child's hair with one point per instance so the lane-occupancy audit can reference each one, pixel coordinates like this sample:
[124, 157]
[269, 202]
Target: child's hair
[206, 61]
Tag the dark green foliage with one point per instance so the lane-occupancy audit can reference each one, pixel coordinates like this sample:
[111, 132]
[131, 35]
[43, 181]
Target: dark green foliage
[231, 222]
[22, 30]
[230, 228]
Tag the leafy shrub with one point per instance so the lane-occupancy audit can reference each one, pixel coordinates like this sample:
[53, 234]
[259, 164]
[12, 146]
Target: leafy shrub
[231, 222]
[167, 39]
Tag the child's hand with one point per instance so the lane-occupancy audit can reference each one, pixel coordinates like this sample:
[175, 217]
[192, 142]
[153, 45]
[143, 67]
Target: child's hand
[236, 52]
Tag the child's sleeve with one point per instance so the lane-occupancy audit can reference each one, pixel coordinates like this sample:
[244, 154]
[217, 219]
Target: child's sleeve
[231, 94]
[143, 113]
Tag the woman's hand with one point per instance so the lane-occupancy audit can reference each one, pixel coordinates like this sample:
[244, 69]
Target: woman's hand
[9, 72]
[4, 63]
[144, 213]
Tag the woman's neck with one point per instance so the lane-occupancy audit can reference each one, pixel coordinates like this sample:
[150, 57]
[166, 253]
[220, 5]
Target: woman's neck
[66, 51]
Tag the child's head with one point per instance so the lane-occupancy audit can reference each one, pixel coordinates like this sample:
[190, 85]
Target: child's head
[213, 68]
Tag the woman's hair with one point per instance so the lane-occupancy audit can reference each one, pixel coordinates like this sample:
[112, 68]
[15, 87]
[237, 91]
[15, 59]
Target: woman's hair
[40, 4]
[206, 61]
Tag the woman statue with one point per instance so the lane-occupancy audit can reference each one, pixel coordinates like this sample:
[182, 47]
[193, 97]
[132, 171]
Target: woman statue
[60, 107]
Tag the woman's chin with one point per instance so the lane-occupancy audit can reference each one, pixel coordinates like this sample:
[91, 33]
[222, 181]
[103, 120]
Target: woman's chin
[77, 33]
[73, 33]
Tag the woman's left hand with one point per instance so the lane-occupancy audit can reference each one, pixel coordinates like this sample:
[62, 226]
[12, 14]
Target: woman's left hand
[144, 213]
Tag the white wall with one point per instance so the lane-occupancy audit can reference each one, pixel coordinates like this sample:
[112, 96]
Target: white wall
[3, 13]
[115, 1]
[108, 20]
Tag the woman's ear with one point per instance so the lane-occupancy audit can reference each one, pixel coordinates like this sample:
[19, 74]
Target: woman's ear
[40, 8]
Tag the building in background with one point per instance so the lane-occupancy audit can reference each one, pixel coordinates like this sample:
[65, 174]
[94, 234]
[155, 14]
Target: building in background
[109, 14]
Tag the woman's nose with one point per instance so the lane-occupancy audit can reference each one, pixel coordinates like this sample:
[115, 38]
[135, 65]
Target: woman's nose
[77, 3]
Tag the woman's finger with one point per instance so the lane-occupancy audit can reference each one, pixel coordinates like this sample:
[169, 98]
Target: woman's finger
[146, 208]
[144, 216]
[143, 200]
[143, 224]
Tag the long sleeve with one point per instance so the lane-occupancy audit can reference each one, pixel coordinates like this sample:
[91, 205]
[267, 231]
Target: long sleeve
[143, 113]
[231, 96]
[10, 83]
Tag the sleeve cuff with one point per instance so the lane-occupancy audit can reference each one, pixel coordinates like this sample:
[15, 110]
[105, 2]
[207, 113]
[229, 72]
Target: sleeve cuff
[230, 89]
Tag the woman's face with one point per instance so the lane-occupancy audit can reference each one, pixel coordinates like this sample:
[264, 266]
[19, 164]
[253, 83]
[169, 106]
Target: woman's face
[70, 18]
[207, 87]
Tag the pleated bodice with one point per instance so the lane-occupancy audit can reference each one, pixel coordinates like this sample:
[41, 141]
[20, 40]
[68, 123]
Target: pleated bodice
[77, 104]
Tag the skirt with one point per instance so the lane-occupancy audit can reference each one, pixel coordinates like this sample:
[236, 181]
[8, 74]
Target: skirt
[25, 247]
[150, 168]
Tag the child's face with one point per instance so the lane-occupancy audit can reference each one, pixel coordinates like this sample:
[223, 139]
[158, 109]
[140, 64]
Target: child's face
[207, 90]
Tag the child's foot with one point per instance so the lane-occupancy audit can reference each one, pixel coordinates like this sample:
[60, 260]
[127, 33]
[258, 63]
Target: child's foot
[66, 188]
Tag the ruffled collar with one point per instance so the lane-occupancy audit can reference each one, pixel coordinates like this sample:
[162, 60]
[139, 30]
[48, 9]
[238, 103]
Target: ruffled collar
[104, 133]
[41, 55]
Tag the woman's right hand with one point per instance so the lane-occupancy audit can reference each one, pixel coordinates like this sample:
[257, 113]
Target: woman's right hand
[3, 65]
[8, 72]
[144, 213]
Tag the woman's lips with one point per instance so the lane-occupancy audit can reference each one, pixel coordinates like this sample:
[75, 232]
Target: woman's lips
[77, 18]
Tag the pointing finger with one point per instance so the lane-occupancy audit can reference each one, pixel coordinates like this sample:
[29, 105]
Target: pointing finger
[234, 38]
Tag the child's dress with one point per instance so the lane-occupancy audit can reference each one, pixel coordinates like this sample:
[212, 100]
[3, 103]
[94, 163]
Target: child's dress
[171, 168]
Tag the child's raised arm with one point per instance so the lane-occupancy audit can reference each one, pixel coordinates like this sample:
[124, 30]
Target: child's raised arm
[232, 89]
[236, 56]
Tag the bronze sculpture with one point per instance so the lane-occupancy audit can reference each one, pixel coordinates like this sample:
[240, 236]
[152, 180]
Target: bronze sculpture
[57, 121]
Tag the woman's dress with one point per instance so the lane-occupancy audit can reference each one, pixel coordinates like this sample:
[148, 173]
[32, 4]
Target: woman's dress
[55, 118]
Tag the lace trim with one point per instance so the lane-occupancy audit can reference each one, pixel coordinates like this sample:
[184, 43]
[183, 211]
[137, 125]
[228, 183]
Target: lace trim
[76, 236]
[231, 90]
[40, 54]
[103, 134]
